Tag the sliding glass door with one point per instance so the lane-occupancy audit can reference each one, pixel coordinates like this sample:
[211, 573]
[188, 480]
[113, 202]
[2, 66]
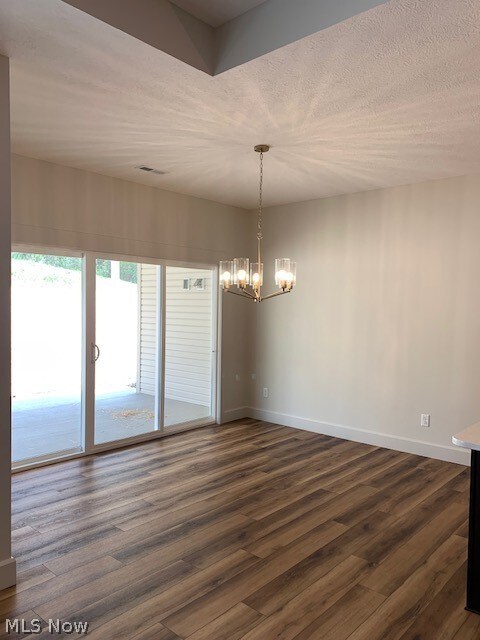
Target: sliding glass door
[125, 350]
[46, 355]
[107, 350]
[189, 345]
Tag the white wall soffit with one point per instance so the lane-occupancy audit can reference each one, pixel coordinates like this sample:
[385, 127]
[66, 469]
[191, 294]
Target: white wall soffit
[217, 12]
[277, 23]
[159, 23]
[269, 26]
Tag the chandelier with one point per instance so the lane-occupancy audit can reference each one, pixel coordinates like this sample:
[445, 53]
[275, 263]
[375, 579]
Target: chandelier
[248, 277]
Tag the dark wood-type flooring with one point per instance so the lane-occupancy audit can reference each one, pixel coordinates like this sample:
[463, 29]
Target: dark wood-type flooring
[249, 530]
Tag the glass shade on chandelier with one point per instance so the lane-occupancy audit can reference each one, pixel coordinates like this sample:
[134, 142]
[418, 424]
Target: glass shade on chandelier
[285, 273]
[226, 274]
[246, 276]
[256, 275]
[241, 272]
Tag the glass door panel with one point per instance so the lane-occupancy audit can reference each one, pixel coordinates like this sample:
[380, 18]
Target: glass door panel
[188, 345]
[126, 371]
[46, 355]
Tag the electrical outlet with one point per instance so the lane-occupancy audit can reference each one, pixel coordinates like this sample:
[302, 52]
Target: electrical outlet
[237, 377]
[425, 420]
[265, 392]
[254, 376]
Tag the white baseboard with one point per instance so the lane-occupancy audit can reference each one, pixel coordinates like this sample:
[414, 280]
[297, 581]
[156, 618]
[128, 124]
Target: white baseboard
[235, 414]
[8, 573]
[417, 447]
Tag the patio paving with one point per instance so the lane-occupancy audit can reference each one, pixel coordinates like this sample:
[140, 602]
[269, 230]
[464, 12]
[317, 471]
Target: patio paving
[48, 425]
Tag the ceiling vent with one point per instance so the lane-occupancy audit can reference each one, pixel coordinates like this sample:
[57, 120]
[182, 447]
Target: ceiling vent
[157, 172]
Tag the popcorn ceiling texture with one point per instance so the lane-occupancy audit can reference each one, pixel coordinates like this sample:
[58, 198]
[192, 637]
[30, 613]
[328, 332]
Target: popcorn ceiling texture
[389, 97]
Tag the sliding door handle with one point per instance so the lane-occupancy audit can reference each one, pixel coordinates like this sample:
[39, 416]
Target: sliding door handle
[95, 352]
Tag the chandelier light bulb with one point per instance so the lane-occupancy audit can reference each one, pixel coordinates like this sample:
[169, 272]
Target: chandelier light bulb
[242, 275]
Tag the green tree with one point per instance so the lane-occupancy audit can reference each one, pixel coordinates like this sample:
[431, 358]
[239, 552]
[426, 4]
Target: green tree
[129, 272]
[64, 262]
[104, 268]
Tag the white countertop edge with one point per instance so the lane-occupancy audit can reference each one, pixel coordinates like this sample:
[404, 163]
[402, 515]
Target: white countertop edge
[469, 438]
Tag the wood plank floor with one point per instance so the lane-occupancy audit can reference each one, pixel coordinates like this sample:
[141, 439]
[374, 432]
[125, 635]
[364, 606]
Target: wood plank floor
[250, 530]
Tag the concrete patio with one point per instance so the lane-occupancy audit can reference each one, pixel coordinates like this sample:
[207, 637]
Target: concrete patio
[48, 425]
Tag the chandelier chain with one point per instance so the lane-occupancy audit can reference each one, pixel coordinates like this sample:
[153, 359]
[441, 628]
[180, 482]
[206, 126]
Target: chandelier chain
[260, 200]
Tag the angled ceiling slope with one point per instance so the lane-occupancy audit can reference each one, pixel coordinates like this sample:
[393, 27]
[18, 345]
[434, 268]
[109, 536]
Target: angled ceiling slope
[262, 28]
[217, 12]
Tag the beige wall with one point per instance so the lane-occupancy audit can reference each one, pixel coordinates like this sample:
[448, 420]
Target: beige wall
[385, 321]
[7, 565]
[57, 206]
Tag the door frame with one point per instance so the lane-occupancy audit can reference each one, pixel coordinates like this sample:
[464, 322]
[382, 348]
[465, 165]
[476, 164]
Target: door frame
[88, 339]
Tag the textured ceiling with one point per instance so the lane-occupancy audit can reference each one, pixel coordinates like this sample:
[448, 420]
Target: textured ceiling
[389, 97]
[217, 12]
